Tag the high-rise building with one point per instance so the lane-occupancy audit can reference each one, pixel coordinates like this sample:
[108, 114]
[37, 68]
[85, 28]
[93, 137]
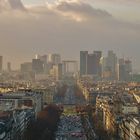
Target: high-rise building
[124, 70]
[54, 58]
[9, 67]
[83, 62]
[97, 67]
[105, 71]
[59, 72]
[98, 54]
[44, 59]
[128, 65]
[90, 63]
[93, 64]
[37, 66]
[91, 60]
[48, 61]
[111, 64]
[1, 63]
[26, 67]
[121, 69]
[70, 68]
[56, 71]
[37, 56]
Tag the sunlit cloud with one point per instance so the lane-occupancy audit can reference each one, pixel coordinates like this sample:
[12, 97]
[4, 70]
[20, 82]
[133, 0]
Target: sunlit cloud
[76, 9]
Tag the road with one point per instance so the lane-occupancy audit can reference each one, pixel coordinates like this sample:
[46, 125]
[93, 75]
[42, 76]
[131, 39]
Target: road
[70, 96]
[70, 126]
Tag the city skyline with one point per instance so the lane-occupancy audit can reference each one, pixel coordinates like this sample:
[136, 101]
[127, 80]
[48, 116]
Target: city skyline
[69, 70]
[66, 26]
[48, 57]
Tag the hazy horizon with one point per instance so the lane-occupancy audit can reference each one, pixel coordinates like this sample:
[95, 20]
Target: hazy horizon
[30, 27]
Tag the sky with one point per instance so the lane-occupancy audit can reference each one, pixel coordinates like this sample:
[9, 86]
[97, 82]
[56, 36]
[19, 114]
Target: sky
[35, 2]
[29, 27]
[123, 9]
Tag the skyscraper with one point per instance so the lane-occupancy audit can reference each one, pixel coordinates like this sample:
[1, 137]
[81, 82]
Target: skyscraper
[54, 59]
[44, 59]
[56, 71]
[26, 67]
[121, 69]
[106, 72]
[128, 65]
[124, 69]
[97, 65]
[1, 63]
[83, 62]
[90, 63]
[111, 64]
[9, 67]
[37, 66]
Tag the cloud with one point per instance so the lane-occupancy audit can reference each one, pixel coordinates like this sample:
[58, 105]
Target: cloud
[65, 27]
[121, 1]
[11, 5]
[78, 9]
